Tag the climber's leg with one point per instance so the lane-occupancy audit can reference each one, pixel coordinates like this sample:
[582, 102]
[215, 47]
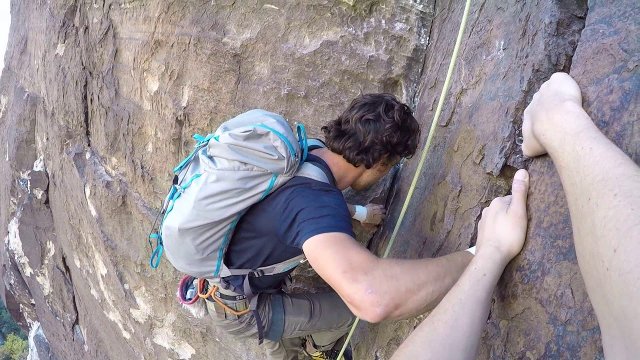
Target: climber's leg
[324, 318]
[602, 186]
[287, 320]
[285, 349]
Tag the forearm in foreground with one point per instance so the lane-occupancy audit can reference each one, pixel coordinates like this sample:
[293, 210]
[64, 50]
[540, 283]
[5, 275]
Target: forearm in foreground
[602, 185]
[453, 329]
[427, 282]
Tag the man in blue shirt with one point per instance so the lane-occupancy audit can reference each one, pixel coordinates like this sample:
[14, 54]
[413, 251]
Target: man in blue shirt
[311, 217]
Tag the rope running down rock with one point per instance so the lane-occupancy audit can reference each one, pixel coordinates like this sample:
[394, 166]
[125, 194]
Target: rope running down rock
[423, 155]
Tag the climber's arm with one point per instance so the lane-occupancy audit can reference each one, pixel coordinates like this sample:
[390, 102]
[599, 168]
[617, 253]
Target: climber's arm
[453, 329]
[380, 289]
[602, 186]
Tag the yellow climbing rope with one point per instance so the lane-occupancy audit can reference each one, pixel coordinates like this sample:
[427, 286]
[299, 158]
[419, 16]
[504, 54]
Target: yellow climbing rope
[423, 155]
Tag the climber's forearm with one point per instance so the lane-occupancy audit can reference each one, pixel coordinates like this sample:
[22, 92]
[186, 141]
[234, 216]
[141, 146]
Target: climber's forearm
[417, 286]
[602, 186]
[453, 329]
[377, 289]
[601, 183]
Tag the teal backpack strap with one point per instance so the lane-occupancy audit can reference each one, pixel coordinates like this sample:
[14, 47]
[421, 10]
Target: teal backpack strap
[156, 255]
[201, 141]
[315, 143]
[303, 140]
[174, 193]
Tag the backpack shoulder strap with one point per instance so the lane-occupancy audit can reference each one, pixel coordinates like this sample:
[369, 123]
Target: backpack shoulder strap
[311, 171]
[313, 143]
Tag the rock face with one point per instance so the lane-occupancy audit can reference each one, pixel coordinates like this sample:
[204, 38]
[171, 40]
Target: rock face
[99, 98]
[540, 308]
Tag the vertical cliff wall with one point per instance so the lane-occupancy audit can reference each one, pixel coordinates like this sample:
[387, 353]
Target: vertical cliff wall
[540, 309]
[99, 98]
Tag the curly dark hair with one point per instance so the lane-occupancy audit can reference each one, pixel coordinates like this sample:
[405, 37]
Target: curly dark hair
[375, 127]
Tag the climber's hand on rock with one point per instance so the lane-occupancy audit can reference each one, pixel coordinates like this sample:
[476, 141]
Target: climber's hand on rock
[503, 227]
[546, 117]
[375, 214]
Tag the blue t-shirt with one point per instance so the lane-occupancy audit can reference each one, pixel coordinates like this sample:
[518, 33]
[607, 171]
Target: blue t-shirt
[274, 229]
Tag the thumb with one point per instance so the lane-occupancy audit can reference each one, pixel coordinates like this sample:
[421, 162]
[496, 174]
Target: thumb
[519, 189]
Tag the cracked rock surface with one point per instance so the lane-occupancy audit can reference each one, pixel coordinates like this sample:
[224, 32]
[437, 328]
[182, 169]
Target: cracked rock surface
[98, 100]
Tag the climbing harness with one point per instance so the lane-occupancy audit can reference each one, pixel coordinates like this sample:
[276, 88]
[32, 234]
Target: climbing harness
[423, 156]
[211, 293]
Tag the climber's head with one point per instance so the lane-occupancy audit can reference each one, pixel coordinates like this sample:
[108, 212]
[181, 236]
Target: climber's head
[375, 132]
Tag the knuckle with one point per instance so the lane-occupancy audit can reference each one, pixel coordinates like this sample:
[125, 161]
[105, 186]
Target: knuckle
[495, 203]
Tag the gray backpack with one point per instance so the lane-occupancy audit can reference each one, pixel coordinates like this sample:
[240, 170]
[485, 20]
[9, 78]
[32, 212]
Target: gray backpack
[246, 159]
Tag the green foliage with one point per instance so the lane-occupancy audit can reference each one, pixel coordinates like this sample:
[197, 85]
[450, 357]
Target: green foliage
[14, 348]
[8, 325]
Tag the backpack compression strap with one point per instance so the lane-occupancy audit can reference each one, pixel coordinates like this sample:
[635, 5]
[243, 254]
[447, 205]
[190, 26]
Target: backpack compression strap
[266, 270]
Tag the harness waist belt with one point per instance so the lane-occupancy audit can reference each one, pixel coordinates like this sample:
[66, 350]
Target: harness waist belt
[223, 313]
[223, 291]
[222, 296]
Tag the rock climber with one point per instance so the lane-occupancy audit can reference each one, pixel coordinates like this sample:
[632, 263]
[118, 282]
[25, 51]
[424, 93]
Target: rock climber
[311, 217]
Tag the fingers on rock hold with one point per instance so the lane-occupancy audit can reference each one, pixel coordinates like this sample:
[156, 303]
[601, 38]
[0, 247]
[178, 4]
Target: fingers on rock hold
[520, 181]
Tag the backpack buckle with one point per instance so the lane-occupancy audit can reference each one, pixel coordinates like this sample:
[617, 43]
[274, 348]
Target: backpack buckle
[257, 273]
